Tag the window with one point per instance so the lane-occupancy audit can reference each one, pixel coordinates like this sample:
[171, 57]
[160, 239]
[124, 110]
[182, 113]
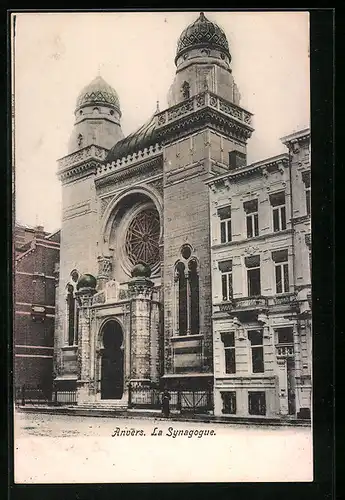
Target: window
[252, 218]
[226, 273]
[187, 293]
[229, 402]
[256, 340]
[72, 316]
[228, 340]
[224, 215]
[279, 211]
[280, 259]
[308, 200]
[182, 298]
[253, 275]
[257, 403]
[285, 335]
[307, 191]
[194, 297]
[185, 90]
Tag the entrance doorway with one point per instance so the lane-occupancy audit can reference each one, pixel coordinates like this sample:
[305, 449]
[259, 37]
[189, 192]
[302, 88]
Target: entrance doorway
[112, 361]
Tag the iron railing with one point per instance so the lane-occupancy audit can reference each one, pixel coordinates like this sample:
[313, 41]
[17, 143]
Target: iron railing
[180, 400]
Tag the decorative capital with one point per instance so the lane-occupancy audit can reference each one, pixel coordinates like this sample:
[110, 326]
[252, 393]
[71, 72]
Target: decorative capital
[84, 296]
[140, 287]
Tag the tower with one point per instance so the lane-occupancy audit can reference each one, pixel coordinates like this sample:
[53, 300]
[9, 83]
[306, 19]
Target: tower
[96, 129]
[203, 133]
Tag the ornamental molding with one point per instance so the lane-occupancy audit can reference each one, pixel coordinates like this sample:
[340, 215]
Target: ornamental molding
[113, 175]
[201, 119]
[78, 172]
[86, 160]
[265, 167]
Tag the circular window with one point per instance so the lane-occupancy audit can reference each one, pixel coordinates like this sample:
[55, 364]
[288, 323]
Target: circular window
[142, 238]
[186, 251]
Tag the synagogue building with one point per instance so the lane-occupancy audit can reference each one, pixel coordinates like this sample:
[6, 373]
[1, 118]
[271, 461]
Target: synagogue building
[182, 267]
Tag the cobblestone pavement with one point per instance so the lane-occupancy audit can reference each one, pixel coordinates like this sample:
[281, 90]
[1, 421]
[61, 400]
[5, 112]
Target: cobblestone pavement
[75, 449]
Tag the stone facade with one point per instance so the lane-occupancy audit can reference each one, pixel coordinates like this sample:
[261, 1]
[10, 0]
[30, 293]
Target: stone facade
[270, 375]
[136, 217]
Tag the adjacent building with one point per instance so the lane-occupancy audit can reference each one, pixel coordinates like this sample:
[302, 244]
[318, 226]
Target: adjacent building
[261, 284]
[35, 279]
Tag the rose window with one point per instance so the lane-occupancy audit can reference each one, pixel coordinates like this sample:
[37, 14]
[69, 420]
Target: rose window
[142, 239]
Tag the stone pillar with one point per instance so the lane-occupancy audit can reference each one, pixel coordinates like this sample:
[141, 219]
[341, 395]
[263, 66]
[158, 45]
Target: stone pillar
[155, 337]
[140, 289]
[282, 383]
[84, 296]
[104, 270]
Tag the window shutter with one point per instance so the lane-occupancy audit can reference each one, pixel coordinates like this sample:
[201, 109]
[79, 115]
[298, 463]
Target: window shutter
[277, 199]
[280, 256]
[225, 267]
[250, 206]
[224, 212]
[252, 261]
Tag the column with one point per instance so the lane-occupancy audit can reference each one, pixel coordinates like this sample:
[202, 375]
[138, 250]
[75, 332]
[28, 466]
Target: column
[282, 386]
[84, 297]
[141, 293]
[104, 270]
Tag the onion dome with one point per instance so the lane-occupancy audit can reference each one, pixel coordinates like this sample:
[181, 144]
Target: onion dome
[143, 138]
[202, 33]
[98, 92]
[86, 281]
[141, 270]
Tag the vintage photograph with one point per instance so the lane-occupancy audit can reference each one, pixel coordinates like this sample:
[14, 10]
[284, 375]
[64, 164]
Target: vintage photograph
[162, 247]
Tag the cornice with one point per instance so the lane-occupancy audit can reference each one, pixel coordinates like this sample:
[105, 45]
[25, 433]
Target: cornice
[204, 109]
[265, 167]
[80, 163]
[154, 164]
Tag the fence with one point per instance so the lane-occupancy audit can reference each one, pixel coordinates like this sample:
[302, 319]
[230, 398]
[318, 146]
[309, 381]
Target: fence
[180, 400]
[36, 395]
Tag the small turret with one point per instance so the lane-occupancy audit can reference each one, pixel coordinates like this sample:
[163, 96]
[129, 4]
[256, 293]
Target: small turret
[97, 117]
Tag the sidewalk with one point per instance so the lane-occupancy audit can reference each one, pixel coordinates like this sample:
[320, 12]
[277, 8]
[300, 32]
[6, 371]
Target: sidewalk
[157, 415]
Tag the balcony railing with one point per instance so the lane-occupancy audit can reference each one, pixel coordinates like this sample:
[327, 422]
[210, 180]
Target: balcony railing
[244, 303]
[285, 350]
[202, 100]
[286, 299]
[257, 303]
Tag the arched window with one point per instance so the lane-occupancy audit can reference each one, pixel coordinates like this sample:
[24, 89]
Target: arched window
[194, 296]
[72, 316]
[185, 90]
[182, 298]
[187, 296]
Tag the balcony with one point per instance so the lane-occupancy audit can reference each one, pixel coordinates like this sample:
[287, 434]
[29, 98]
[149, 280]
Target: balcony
[284, 351]
[244, 304]
[257, 304]
[202, 100]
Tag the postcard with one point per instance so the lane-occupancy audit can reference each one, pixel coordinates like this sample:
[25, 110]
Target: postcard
[162, 241]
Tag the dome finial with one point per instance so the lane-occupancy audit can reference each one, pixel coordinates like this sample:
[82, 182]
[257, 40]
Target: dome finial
[157, 107]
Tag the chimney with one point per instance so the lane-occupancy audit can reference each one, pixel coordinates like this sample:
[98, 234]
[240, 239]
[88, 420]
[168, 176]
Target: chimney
[237, 159]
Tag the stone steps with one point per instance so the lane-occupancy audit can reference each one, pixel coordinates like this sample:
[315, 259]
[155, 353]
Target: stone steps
[103, 405]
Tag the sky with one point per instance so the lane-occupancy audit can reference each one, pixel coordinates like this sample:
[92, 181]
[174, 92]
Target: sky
[57, 54]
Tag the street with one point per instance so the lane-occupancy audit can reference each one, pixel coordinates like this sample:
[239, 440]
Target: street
[62, 448]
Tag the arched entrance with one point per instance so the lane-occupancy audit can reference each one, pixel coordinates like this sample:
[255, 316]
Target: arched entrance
[112, 361]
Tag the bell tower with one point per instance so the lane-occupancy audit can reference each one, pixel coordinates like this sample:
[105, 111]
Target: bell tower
[96, 129]
[204, 132]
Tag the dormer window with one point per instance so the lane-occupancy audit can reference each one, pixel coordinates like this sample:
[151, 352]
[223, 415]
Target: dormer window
[185, 90]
